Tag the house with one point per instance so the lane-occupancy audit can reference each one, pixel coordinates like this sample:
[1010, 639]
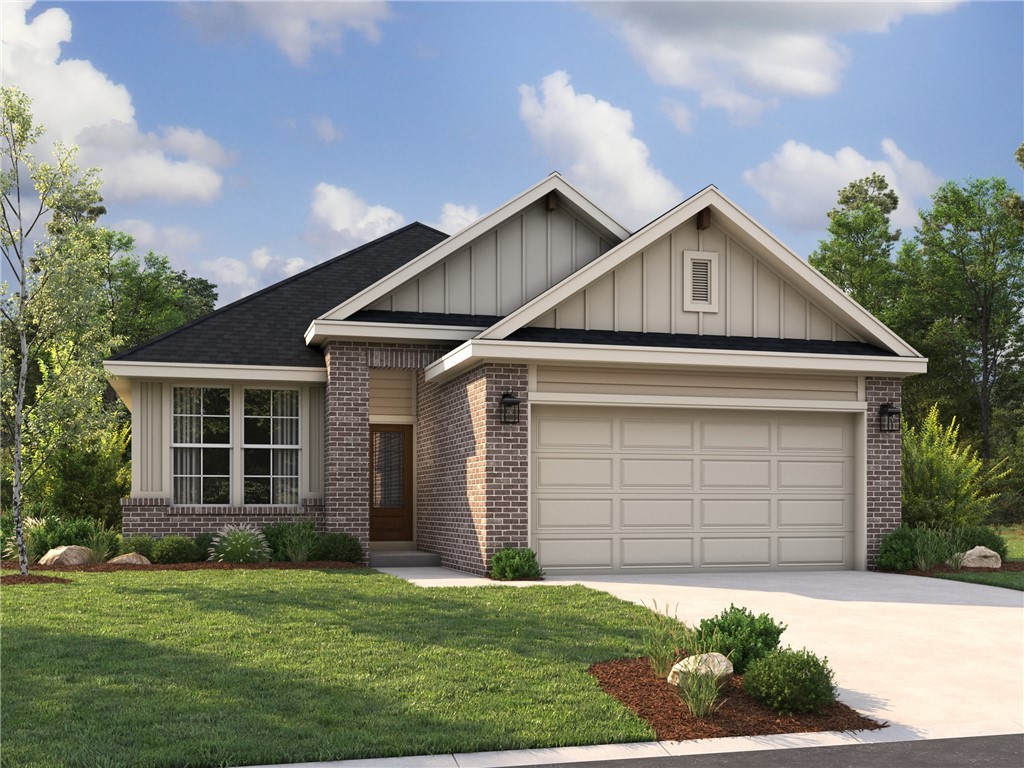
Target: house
[692, 396]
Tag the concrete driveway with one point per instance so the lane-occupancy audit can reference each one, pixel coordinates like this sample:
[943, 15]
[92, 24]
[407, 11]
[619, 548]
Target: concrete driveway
[934, 658]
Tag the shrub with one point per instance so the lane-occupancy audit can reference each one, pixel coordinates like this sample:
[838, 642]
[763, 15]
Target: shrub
[908, 548]
[971, 536]
[661, 639]
[943, 482]
[9, 539]
[243, 543]
[515, 563]
[55, 531]
[274, 533]
[338, 547]
[203, 542]
[896, 549]
[176, 549]
[140, 544]
[296, 541]
[103, 544]
[791, 681]
[739, 635]
[699, 692]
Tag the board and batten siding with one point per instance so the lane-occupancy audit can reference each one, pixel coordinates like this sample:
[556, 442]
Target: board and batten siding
[392, 394]
[622, 381]
[151, 436]
[500, 271]
[645, 294]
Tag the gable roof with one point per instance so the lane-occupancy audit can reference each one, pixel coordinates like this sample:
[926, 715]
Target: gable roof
[266, 328]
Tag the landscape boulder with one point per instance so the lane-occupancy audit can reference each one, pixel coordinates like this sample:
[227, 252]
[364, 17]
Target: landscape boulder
[982, 557]
[702, 663]
[130, 558]
[70, 555]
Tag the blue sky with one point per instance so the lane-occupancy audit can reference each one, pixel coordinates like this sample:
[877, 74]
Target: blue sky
[249, 140]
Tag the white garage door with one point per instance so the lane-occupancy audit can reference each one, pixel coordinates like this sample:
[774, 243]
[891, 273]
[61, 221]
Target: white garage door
[651, 489]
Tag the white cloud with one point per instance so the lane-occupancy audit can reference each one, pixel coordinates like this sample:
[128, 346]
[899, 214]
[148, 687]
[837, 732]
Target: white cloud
[740, 56]
[172, 241]
[326, 130]
[594, 141]
[342, 212]
[78, 104]
[233, 277]
[297, 29]
[456, 217]
[261, 257]
[680, 115]
[801, 183]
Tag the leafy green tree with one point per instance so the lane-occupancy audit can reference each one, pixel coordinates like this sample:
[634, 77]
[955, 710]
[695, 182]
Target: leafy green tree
[963, 302]
[857, 256]
[53, 253]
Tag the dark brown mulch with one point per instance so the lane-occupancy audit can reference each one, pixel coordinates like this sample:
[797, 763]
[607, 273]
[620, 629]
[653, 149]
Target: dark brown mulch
[10, 579]
[1008, 565]
[634, 683]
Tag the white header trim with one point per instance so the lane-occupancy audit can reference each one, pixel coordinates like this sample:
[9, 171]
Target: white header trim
[321, 330]
[663, 401]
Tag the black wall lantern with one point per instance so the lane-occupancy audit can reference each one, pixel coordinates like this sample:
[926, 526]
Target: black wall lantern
[888, 418]
[510, 408]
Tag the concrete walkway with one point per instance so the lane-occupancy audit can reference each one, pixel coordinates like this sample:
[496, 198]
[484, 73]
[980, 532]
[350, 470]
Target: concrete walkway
[935, 658]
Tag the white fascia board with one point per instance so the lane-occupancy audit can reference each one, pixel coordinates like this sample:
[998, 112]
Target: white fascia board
[426, 260]
[476, 351]
[321, 330]
[127, 370]
[724, 403]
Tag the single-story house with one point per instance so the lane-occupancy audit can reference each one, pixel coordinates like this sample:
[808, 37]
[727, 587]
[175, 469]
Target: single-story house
[691, 396]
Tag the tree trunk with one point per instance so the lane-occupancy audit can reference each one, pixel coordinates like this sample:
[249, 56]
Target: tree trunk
[19, 419]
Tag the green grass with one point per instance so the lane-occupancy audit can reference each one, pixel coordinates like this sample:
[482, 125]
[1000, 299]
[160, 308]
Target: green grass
[211, 668]
[1008, 579]
[1014, 535]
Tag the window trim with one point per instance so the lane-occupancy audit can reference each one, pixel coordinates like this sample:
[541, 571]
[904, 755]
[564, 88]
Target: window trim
[271, 446]
[201, 445]
[711, 259]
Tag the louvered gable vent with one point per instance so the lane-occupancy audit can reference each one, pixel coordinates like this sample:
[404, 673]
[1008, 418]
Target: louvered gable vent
[700, 285]
[700, 291]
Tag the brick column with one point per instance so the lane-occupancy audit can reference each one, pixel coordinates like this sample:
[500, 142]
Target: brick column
[884, 465]
[346, 435]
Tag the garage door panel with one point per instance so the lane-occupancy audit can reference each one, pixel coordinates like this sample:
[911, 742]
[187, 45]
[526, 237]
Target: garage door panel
[647, 435]
[657, 513]
[656, 473]
[657, 553]
[817, 550]
[735, 551]
[812, 475]
[736, 436]
[736, 513]
[590, 514]
[574, 433]
[575, 553]
[583, 473]
[812, 437]
[813, 513]
[736, 473]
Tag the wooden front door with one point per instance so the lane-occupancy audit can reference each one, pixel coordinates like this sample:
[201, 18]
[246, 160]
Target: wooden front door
[391, 482]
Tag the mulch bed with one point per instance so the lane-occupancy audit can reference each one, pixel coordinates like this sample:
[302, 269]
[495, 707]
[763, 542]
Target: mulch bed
[1008, 565]
[34, 578]
[634, 683]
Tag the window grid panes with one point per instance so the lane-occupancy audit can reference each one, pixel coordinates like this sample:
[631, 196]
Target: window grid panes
[201, 452]
[271, 446]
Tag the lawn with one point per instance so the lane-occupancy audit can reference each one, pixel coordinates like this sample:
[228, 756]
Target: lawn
[1007, 579]
[211, 668]
[1014, 535]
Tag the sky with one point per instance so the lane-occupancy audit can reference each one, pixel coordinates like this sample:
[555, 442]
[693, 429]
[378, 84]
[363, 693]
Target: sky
[248, 141]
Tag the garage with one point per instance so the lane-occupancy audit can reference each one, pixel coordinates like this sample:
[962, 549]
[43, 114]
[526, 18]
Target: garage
[649, 489]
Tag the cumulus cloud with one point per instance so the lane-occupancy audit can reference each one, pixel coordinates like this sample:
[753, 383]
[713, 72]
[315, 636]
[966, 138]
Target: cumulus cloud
[350, 218]
[297, 29]
[237, 277]
[78, 104]
[680, 115]
[741, 56]
[594, 140]
[456, 217]
[801, 183]
[173, 241]
[326, 130]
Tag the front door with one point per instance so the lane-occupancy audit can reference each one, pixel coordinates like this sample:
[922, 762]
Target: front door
[391, 482]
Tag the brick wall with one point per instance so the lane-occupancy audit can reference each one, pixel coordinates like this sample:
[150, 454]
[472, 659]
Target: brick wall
[472, 487]
[157, 518]
[884, 465]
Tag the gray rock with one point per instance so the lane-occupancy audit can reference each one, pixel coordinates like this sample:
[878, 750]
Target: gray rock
[982, 557]
[130, 558]
[70, 555]
[713, 663]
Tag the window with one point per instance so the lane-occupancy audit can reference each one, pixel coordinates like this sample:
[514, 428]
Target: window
[271, 447]
[700, 281]
[201, 445]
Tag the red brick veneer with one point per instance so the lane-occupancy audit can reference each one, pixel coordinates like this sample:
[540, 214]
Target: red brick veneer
[884, 465]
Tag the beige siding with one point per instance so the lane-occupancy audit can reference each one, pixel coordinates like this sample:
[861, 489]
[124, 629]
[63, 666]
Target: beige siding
[150, 440]
[645, 293]
[314, 442]
[503, 269]
[391, 392]
[612, 381]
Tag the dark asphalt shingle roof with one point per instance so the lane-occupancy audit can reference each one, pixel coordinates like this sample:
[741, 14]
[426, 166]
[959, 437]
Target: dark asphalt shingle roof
[267, 327]
[693, 341]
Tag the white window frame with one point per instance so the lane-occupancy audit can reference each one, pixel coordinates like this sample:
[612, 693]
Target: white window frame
[201, 445]
[711, 259]
[296, 447]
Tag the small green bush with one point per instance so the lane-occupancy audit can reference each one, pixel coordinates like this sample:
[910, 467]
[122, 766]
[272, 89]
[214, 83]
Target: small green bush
[103, 544]
[699, 692]
[741, 636]
[176, 549]
[515, 563]
[203, 542]
[791, 681]
[295, 542]
[896, 550]
[274, 533]
[140, 544]
[57, 531]
[971, 536]
[910, 548]
[243, 543]
[661, 638]
[338, 547]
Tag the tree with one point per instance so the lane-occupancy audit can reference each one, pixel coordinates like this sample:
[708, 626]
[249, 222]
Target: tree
[53, 252]
[963, 303]
[857, 257]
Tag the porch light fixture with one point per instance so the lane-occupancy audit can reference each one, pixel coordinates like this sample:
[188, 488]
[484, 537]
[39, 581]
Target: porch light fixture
[888, 418]
[510, 408]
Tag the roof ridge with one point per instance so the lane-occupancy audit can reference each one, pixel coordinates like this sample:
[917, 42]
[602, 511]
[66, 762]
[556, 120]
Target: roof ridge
[273, 286]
